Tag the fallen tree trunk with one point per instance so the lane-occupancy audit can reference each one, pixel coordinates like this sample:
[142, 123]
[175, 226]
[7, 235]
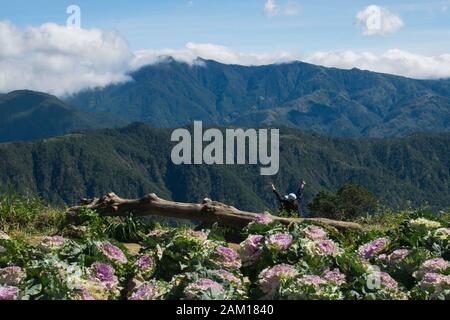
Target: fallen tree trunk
[209, 211]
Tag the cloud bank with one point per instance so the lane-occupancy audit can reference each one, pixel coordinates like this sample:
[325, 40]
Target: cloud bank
[192, 51]
[394, 61]
[58, 60]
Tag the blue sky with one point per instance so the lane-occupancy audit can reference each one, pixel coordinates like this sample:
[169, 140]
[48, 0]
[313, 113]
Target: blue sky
[243, 25]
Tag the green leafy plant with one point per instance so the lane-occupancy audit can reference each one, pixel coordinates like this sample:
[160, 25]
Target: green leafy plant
[395, 256]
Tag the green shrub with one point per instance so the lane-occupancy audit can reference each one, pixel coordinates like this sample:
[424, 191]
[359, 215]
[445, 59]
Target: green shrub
[28, 214]
[348, 203]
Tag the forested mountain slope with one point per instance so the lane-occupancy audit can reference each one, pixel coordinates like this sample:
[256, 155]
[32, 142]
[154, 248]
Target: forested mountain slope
[136, 160]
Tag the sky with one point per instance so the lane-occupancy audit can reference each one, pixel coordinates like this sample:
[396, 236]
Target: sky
[38, 49]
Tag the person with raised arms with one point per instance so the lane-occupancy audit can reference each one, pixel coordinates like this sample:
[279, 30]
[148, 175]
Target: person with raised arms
[291, 203]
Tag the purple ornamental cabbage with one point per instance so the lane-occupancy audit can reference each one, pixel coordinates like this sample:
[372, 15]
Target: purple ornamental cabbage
[334, 277]
[9, 293]
[249, 250]
[11, 276]
[437, 265]
[435, 282]
[263, 219]
[280, 241]
[327, 247]
[112, 252]
[203, 285]
[146, 292]
[311, 280]
[270, 279]
[228, 276]
[373, 248]
[228, 257]
[105, 274]
[146, 265]
[397, 256]
[315, 233]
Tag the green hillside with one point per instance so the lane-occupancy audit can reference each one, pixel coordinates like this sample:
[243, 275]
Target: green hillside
[136, 160]
[29, 115]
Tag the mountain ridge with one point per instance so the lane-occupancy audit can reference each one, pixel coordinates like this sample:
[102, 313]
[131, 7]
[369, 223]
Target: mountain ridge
[331, 101]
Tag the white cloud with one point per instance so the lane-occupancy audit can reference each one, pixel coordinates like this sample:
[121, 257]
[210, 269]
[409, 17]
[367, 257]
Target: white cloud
[54, 59]
[270, 8]
[394, 61]
[291, 8]
[192, 51]
[376, 20]
[60, 60]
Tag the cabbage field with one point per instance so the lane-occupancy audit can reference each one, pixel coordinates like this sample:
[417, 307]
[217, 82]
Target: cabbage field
[397, 256]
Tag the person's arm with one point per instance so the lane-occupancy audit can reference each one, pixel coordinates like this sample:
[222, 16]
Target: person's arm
[277, 194]
[300, 191]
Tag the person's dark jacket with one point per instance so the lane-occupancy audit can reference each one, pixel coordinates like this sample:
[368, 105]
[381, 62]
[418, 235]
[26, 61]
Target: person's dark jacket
[288, 205]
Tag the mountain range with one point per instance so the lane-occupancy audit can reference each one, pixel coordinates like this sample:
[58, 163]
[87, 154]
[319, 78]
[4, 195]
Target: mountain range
[135, 160]
[346, 103]
[387, 133]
